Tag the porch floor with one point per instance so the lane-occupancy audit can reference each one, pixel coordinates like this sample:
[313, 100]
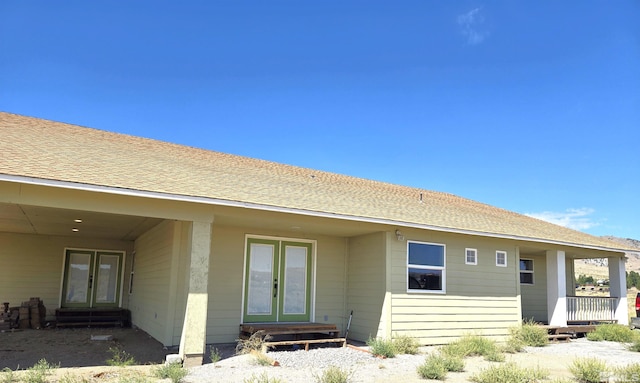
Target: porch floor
[285, 334]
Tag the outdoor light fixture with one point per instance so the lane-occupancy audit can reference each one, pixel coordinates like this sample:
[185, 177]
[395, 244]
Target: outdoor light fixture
[75, 230]
[399, 235]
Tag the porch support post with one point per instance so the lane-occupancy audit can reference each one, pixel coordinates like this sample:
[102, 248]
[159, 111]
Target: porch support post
[556, 288]
[194, 328]
[618, 288]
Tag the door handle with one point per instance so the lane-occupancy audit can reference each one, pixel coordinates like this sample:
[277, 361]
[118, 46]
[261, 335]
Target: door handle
[275, 288]
[90, 281]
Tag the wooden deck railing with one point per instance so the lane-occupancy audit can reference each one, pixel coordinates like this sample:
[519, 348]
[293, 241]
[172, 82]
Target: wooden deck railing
[591, 309]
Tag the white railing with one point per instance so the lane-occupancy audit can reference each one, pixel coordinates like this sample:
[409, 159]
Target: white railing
[591, 308]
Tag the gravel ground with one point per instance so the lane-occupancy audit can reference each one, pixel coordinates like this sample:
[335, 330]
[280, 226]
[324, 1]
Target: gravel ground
[305, 366]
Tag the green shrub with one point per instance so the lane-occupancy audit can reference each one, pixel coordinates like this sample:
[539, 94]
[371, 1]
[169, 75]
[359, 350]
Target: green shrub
[381, 347]
[38, 372]
[404, 344]
[495, 357]
[214, 354]
[471, 345]
[262, 378]
[512, 346]
[7, 375]
[333, 375]
[437, 365]
[635, 346]
[453, 363]
[529, 334]
[120, 357]
[612, 332]
[588, 370]
[509, 373]
[433, 368]
[173, 371]
[629, 373]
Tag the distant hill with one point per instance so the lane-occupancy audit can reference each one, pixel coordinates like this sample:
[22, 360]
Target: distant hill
[598, 268]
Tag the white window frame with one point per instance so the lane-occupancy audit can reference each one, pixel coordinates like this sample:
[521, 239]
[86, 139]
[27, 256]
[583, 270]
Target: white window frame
[498, 253]
[533, 279]
[443, 268]
[466, 256]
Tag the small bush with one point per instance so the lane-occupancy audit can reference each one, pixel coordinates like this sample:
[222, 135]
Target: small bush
[120, 357]
[333, 375]
[471, 345]
[509, 373]
[173, 371]
[433, 368]
[38, 372]
[7, 376]
[214, 354]
[629, 373]
[262, 378]
[635, 346]
[437, 365]
[530, 334]
[495, 357]
[262, 359]
[612, 332]
[254, 343]
[588, 370]
[381, 347]
[512, 346]
[404, 344]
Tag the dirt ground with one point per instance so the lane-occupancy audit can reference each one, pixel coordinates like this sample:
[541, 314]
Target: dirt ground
[73, 347]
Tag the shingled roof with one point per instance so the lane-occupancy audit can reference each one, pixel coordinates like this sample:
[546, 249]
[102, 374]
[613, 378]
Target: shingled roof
[49, 150]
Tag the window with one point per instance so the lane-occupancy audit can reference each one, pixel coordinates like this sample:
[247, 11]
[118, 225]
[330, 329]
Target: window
[425, 267]
[501, 258]
[526, 271]
[471, 256]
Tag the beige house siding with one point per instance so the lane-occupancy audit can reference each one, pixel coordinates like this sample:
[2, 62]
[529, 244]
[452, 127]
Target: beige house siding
[226, 278]
[480, 298]
[534, 297]
[31, 266]
[366, 284]
[149, 299]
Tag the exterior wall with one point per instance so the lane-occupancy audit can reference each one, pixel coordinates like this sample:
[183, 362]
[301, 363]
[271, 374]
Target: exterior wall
[482, 298]
[151, 288]
[534, 297]
[226, 278]
[31, 266]
[366, 285]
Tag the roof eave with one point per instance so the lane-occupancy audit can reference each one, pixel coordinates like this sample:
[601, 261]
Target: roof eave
[281, 209]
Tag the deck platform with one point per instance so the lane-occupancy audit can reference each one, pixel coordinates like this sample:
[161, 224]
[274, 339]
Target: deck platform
[565, 333]
[286, 334]
[92, 317]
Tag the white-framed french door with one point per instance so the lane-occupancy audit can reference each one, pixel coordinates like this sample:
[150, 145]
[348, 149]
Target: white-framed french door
[277, 280]
[91, 278]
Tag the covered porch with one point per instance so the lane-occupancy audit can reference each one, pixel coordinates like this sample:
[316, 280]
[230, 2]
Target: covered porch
[548, 289]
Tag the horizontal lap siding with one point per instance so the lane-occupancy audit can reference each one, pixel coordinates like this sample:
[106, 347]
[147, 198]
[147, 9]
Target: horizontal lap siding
[152, 272]
[31, 266]
[479, 299]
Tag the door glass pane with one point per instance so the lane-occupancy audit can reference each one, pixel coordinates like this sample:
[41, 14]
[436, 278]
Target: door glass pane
[295, 280]
[107, 279]
[259, 296]
[78, 278]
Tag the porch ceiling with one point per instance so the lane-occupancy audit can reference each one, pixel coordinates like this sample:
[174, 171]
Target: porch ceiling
[28, 219]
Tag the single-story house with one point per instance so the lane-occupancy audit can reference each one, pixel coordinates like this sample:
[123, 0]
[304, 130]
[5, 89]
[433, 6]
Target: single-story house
[195, 242]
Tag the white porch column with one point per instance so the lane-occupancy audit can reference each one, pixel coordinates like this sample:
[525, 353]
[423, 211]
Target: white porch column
[618, 288]
[556, 288]
[194, 328]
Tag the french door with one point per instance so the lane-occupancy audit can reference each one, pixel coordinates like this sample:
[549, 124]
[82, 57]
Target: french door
[277, 281]
[92, 278]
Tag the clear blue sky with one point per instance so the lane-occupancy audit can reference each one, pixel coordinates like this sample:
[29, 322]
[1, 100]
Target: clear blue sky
[529, 106]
